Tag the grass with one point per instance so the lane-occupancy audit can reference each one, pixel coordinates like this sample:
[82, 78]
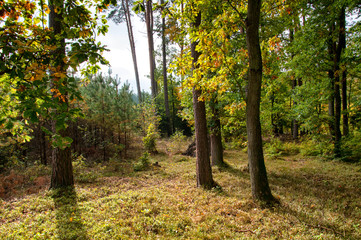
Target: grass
[319, 200]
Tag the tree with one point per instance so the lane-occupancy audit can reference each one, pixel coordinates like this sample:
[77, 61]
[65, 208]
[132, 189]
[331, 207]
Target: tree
[149, 24]
[39, 57]
[260, 188]
[118, 15]
[62, 168]
[216, 134]
[165, 78]
[204, 170]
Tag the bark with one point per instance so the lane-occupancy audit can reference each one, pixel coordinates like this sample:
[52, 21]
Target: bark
[335, 51]
[259, 182]
[331, 75]
[149, 24]
[43, 158]
[191, 150]
[342, 46]
[125, 5]
[165, 79]
[62, 169]
[204, 170]
[294, 85]
[216, 136]
[346, 129]
[337, 61]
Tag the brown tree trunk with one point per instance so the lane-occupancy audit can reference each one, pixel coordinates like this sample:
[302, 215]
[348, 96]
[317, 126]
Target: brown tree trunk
[165, 79]
[216, 136]
[331, 75]
[342, 46]
[62, 169]
[295, 82]
[346, 129]
[337, 61]
[294, 85]
[204, 170]
[42, 144]
[125, 5]
[259, 182]
[149, 24]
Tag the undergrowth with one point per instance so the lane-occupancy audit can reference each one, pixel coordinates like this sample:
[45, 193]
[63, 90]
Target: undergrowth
[319, 200]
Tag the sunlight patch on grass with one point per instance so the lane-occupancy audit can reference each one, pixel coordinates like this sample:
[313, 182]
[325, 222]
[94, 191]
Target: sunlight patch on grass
[319, 200]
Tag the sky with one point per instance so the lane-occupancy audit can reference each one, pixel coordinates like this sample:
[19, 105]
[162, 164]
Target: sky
[120, 56]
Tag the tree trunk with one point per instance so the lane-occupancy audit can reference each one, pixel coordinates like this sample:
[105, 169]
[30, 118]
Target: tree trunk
[337, 120]
[125, 4]
[204, 170]
[149, 24]
[216, 136]
[342, 46]
[260, 188]
[42, 144]
[337, 83]
[295, 82]
[294, 85]
[345, 124]
[62, 169]
[331, 75]
[165, 79]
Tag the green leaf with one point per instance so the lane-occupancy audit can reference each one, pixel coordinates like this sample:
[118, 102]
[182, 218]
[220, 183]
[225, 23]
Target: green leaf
[9, 125]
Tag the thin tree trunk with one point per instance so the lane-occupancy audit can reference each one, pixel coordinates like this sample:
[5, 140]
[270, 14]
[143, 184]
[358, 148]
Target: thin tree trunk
[165, 79]
[62, 169]
[204, 170]
[102, 128]
[149, 24]
[342, 47]
[295, 82]
[294, 122]
[337, 60]
[346, 129]
[331, 75]
[125, 4]
[337, 120]
[259, 182]
[42, 144]
[294, 85]
[216, 136]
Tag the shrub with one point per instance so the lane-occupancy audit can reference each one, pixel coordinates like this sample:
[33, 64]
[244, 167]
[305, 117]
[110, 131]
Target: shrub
[149, 141]
[177, 142]
[277, 148]
[316, 146]
[83, 173]
[116, 149]
[351, 148]
[143, 162]
[274, 148]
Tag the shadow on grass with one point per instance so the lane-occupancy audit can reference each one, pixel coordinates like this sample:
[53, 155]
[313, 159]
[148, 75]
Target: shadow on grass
[311, 221]
[316, 193]
[69, 224]
[242, 172]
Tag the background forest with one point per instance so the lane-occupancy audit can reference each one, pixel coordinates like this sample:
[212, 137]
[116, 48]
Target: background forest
[235, 86]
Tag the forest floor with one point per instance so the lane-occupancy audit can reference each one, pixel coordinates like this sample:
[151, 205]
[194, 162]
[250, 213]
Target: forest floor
[319, 200]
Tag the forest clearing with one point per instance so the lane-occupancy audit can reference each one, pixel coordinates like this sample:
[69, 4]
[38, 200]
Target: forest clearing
[250, 128]
[318, 200]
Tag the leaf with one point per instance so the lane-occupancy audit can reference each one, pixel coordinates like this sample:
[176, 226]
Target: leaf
[32, 115]
[9, 125]
[138, 7]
